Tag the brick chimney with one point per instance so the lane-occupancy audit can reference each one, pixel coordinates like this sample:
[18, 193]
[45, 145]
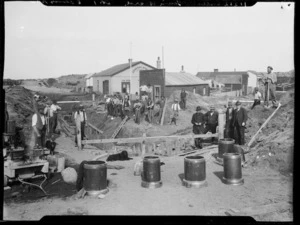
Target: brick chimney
[216, 70]
[158, 63]
[182, 69]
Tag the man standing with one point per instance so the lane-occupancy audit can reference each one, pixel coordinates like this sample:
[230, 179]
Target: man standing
[239, 122]
[150, 107]
[54, 108]
[212, 121]
[257, 97]
[198, 121]
[183, 95]
[175, 107]
[270, 81]
[82, 114]
[229, 125]
[39, 128]
[126, 106]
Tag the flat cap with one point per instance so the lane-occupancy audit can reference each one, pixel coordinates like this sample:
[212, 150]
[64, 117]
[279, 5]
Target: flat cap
[238, 102]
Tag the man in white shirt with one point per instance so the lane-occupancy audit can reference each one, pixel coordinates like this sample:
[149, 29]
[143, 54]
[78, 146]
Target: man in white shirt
[82, 114]
[53, 116]
[39, 128]
[270, 81]
[175, 107]
[257, 97]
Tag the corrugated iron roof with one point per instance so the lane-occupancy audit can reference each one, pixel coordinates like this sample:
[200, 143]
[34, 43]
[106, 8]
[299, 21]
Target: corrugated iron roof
[229, 79]
[118, 68]
[182, 78]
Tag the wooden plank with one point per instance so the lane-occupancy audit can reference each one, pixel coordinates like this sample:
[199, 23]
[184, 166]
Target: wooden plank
[63, 102]
[221, 124]
[258, 210]
[78, 132]
[95, 128]
[164, 111]
[140, 139]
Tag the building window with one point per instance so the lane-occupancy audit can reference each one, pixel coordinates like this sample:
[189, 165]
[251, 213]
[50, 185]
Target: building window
[204, 91]
[157, 92]
[125, 87]
[194, 90]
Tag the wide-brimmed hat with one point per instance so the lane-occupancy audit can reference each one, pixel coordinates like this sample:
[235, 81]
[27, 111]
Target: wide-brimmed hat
[238, 102]
[198, 108]
[270, 67]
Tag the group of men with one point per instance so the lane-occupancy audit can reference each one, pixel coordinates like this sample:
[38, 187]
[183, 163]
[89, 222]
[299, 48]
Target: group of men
[44, 121]
[236, 119]
[139, 107]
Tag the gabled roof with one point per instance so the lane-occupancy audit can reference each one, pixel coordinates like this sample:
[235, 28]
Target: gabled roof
[119, 68]
[229, 79]
[182, 78]
[258, 74]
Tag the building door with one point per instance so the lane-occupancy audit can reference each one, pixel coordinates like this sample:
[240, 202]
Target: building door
[204, 91]
[125, 87]
[194, 90]
[106, 87]
[157, 92]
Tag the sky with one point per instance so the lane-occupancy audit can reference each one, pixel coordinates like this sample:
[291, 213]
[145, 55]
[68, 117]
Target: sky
[43, 42]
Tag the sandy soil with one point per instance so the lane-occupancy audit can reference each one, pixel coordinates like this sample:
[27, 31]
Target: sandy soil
[127, 197]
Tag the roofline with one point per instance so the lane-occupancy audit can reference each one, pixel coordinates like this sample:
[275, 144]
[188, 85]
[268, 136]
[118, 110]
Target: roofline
[185, 84]
[136, 63]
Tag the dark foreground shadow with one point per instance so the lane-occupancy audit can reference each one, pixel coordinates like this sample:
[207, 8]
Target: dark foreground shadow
[181, 176]
[219, 174]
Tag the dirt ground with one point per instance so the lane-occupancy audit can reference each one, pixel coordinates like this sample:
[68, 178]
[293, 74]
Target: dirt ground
[264, 184]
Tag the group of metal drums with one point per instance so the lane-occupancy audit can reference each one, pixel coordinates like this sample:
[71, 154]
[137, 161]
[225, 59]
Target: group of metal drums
[95, 172]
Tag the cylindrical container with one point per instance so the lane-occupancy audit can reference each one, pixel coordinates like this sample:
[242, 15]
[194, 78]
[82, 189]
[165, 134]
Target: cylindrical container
[194, 171]
[225, 145]
[151, 172]
[232, 169]
[95, 177]
[11, 127]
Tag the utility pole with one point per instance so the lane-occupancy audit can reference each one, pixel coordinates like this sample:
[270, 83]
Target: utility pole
[163, 57]
[130, 71]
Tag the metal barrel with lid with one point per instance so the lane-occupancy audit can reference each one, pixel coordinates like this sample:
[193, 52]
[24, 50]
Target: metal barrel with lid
[151, 172]
[95, 177]
[232, 169]
[194, 171]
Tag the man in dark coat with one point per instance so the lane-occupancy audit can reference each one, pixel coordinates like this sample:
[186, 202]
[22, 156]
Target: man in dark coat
[198, 121]
[229, 118]
[211, 121]
[239, 122]
[183, 95]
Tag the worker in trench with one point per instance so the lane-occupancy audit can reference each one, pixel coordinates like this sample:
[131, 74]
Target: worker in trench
[257, 98]
[175, 108]
[239, 123]
[183, 95]
[137, 111]
[211, 121]
[150, 107]
[270, 81]
[83, 118]
[126, 106]
[229, 130]
[198, 121]
[39, 127]
[53, 115]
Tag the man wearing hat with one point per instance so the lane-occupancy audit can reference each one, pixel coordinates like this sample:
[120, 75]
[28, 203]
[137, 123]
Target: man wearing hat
[39, 127]
[81, 113]
[211, 121]
[270, 81]
[239, 122]
[53, 114]
[257, 97]
[229, 118]
[198, 121]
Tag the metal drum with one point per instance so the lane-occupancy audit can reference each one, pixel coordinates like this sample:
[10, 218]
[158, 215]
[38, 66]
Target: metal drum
[194, 171]
[11, 127]
[95, 177]
[232, 169]
[151, 172]
[225, 145]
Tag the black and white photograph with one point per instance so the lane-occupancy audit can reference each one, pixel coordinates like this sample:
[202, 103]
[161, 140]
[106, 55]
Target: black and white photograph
[148, 110]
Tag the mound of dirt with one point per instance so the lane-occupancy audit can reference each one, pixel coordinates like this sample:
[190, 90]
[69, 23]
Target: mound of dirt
[274, 145]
